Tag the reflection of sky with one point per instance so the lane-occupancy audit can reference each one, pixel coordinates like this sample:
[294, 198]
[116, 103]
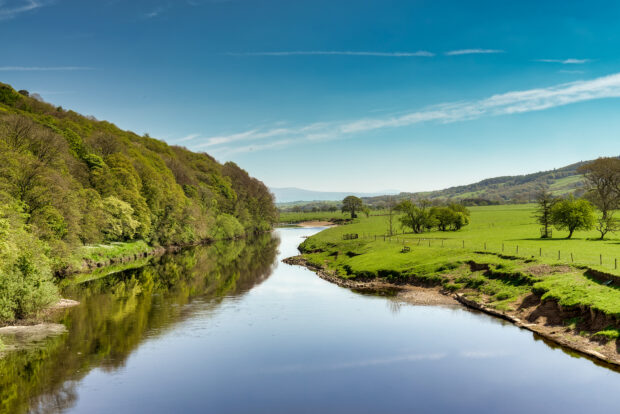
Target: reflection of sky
[296, 343]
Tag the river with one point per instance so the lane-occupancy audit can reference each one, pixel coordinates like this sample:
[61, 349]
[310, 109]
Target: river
[228, 328]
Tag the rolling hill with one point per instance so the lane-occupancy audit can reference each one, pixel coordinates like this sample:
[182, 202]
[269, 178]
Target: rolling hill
[503, 190]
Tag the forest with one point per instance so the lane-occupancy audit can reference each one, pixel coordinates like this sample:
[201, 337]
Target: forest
[70, 182]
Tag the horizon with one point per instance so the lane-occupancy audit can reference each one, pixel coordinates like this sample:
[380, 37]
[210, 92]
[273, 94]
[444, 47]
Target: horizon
[378, 102]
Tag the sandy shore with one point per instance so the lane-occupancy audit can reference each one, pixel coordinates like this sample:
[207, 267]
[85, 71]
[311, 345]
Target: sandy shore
[315, 223]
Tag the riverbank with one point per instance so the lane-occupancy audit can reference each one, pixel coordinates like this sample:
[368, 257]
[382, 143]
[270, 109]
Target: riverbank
[572, 328]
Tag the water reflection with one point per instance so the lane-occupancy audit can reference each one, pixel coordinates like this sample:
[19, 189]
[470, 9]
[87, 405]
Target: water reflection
[119, 311]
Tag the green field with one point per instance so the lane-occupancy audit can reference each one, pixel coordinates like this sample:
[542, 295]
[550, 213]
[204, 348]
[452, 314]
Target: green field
[445, 258]
[507, 229]
[293, 217]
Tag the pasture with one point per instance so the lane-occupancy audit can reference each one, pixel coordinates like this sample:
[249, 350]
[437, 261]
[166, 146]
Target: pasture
[507, 229]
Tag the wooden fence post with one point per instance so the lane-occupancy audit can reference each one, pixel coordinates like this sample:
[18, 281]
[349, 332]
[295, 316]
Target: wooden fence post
[540, 252]
[559, 254]
[571, 258]
[485, 245]
[517, 249]
[601, 261]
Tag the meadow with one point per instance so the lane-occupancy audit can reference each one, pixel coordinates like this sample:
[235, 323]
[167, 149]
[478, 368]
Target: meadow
[506, 229]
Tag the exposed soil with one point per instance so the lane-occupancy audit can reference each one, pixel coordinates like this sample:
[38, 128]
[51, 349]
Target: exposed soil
[547, 319]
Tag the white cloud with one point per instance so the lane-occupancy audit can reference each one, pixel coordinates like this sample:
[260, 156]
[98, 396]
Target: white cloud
[154, 13]
[41, 68]
[422, 53]
[500, 104]
[565, 61]
[472, 52]
[10, 9]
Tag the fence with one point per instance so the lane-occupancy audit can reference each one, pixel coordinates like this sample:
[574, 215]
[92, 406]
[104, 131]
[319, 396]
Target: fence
[515, 249]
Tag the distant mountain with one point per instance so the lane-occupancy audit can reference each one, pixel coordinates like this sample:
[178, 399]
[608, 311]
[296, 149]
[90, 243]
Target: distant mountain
[291, 194]
[503, 190]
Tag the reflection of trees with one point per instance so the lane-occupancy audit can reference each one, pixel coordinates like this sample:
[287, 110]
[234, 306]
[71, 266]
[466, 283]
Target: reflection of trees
[119, 310]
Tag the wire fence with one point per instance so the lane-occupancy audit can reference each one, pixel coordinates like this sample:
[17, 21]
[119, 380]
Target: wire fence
[506, 248]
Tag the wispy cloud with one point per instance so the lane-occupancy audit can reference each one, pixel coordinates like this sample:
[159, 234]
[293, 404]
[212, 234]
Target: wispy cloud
[565, 61]
[11, 8]
[155, 12]
[472, 52]
[514, 102]
[189, 137]
[42, 68]
[418, 53]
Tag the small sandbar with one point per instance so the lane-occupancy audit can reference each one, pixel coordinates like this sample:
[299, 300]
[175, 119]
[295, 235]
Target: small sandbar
[315, 223]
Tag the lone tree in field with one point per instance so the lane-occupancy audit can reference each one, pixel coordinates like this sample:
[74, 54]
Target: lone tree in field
[352, 204]
[573, 214]
[602, 178]
[391, 208]
[545, 200]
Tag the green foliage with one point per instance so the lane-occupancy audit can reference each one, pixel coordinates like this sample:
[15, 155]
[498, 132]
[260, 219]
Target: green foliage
[573, 214]
[73, 180]
[421, 217]
[352, 204]
[25, 274]
[119, 221]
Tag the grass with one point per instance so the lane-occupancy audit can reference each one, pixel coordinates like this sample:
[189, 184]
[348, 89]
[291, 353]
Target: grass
[608, 334]
[292, 217]
[102, 252]
[507, 229]
[439, 258]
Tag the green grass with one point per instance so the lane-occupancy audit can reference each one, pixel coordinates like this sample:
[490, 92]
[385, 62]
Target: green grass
[509, 275]
[504, 229]
[608, 334]
[291, 217]
[103, 252]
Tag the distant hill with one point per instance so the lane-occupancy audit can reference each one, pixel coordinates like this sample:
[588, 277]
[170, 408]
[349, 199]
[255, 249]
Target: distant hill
[502, 190]
[293, 194]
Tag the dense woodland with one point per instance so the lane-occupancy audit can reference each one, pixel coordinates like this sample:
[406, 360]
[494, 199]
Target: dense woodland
[67, 180]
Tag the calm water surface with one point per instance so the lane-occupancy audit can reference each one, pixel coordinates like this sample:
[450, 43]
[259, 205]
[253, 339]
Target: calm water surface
[230, 329]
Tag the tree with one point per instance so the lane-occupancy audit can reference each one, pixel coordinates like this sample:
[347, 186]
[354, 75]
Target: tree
[602, 178]
[119, 221]
[391, 208]
[352, 204]
[545, 201]
[418, 218]
[573, 214]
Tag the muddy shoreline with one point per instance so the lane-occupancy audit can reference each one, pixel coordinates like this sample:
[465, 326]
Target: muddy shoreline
[544, 319]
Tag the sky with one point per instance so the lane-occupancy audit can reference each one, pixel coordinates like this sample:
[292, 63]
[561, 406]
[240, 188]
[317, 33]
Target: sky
[360, 96]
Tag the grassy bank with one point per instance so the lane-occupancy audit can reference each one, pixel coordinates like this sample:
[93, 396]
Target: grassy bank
[584, 292]
[293, 217]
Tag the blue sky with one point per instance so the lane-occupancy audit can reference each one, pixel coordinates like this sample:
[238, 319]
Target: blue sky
[335, 95]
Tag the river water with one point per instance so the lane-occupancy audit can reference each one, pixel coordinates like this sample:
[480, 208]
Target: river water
[230, 329]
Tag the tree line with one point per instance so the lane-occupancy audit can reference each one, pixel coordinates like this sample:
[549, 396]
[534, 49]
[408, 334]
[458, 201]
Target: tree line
[602, 194]
[67, 180]
[418, 215]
